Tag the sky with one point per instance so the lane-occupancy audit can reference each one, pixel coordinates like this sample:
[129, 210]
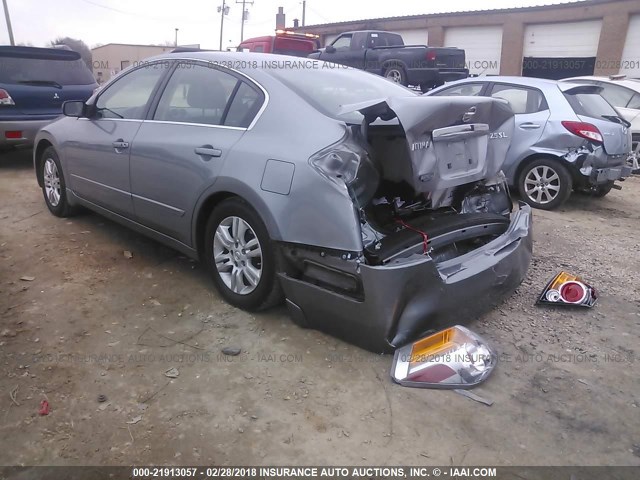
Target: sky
[154, 21]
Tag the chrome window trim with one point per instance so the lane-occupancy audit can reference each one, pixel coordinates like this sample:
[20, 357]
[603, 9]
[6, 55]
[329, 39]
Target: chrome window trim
[171, 122]
[223, 68]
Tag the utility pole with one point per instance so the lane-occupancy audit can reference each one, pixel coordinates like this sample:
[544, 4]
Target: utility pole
[6, 16]
[176, 42]
[224, 10]
[244, 17]
[304, 11]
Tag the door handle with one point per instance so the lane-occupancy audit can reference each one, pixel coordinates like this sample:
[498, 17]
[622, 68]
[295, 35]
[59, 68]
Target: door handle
[120, 144]
[529, 126]
[208, 151]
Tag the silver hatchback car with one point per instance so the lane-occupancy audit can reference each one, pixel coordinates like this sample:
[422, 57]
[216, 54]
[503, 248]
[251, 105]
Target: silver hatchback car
[377, 213]
[567, 136]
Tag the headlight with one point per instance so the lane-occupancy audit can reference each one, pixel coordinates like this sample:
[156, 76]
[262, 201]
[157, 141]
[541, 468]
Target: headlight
[452, 358]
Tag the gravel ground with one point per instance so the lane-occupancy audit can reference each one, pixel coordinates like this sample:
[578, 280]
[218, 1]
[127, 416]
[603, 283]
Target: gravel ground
[88, 321]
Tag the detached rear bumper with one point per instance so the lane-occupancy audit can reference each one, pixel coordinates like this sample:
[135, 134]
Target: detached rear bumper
[28, 129]
[405, 299]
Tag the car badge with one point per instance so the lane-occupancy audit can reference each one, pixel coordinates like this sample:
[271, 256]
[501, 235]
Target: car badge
[55, 96]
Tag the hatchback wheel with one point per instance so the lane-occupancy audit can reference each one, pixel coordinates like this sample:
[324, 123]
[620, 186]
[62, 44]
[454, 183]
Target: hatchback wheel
[545, 184]
[241, 257]
[53, 186]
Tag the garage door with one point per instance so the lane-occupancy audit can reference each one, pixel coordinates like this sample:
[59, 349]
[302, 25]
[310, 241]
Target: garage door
[630, 64]
[416, 36]
[482, 46]
[560, 50]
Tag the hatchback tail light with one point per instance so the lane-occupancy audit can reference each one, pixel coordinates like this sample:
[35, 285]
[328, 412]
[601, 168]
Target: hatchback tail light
[568, 289]
[5, 98]
[584, 130]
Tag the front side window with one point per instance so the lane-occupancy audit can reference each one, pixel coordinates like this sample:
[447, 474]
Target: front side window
[128, 96]
[466, 90]
[196, 94]
[521, 99]
[343, 43]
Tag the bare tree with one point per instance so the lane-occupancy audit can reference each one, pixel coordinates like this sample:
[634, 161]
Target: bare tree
[76, 45]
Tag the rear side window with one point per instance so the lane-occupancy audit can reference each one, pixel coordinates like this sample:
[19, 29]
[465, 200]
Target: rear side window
[384, 40]
[590, 105]
[466, 90]
[196, 94]
[244, 107]
[15, 70]
[521, 99]
[129, 95]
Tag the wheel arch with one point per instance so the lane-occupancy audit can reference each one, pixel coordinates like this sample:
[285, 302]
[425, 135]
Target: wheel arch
[228, 188]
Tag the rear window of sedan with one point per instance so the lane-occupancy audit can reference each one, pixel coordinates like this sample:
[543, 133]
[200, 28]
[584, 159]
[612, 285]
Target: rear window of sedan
[330, 87]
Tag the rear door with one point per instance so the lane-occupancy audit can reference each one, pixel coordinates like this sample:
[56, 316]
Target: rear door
[531, 114]
[179, 152]
[98, 154]
[591, 107]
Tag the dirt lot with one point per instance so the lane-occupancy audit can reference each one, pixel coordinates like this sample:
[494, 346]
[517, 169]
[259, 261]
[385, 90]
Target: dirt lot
[92, 322]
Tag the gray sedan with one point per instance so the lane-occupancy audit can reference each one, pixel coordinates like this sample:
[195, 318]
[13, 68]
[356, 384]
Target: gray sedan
[567, 136]
[377, 213]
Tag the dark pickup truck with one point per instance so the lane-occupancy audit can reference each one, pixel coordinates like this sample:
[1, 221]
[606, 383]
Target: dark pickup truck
[385, 53]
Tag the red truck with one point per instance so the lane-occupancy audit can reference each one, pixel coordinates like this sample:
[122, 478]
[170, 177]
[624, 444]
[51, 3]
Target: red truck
[283, 42]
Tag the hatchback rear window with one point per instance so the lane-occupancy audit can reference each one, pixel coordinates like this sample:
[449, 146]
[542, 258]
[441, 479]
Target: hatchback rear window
[590, 105]
[14, 70]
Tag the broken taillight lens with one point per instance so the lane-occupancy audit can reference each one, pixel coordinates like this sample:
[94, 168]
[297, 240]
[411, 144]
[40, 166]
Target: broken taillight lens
[5, 98]
[452, 358]
[584, 130]
[568, 289]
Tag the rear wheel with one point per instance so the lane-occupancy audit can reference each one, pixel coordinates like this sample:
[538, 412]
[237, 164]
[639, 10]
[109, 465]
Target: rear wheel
[545, 183]
[396, 74]
[634, 157]
[602, 190]
[240, 257]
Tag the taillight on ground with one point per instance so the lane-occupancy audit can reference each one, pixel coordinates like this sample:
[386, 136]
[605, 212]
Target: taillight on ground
[5, 98]
[570, 290]
[584, 130]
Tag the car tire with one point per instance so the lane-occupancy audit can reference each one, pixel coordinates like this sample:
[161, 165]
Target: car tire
[545, 184]
[396, 74]
[602, 190]
[635, 151]
[241, 257]
[53, 184]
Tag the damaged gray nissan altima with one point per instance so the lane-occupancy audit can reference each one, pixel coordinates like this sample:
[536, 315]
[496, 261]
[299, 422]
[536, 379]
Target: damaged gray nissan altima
[378, 214]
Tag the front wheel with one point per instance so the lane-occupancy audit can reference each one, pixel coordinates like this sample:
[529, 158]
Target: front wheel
[53, 186]
[545, 184]
[240, 257]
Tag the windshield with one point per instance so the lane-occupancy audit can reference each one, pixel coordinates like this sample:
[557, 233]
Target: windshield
[62, 72]
[330, 87]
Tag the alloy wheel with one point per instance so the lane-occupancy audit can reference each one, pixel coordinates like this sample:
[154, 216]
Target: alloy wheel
[51, 180]
[237, 254]
[394, 75]
[542, 184]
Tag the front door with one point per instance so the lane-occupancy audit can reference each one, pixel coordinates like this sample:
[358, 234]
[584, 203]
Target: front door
[98, 156]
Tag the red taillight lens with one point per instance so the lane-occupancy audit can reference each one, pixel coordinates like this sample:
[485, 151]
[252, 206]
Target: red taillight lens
[13, 134]
[573, 292]
[431, 56]
[584, 130]
[5, 98]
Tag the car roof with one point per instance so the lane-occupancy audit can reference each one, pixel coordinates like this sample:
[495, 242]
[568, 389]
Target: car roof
[632, 83]
[525, 81]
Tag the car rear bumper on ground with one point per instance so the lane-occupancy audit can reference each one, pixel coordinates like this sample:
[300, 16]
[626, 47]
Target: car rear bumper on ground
[403, 301]
[435, 76]
[28, 129]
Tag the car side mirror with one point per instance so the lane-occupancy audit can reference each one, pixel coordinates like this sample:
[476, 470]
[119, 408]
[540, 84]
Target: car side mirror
[73, 108]
[330, 49]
